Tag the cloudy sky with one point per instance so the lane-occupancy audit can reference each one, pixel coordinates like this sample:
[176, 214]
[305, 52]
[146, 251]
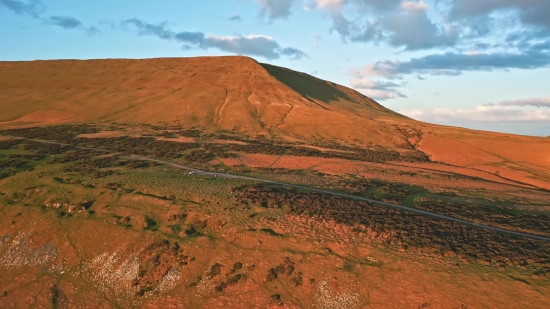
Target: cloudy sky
[481, 64]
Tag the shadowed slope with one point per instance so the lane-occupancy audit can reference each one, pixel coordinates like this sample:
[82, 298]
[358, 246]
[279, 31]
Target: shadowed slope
[323, 91]
[314, 88]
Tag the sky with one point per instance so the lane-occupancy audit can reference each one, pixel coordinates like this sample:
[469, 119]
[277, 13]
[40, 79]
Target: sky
[482, 64]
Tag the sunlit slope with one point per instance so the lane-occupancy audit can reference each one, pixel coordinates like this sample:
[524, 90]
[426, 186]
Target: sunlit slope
[210, 92]
[520, 158]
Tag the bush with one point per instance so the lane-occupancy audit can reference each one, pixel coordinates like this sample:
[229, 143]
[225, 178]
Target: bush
[403, 228]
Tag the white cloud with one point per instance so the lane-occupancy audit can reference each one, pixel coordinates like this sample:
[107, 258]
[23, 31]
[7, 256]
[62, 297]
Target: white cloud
[377, 94]
[332, 5]
[414, 6]
[253, 45]
[413, 113]
[334, 9]
[536, 102]
[482, 113]
[377, 90]
[274, 9]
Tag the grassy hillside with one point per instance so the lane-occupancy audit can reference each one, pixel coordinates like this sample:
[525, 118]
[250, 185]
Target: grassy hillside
[210, 92]
[241, 95]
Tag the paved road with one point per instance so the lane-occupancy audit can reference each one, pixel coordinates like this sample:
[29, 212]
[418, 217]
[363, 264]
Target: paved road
[289, 185]
[405, 208]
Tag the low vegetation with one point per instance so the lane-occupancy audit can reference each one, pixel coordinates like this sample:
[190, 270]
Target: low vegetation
[139, 232]
[407, 230]
[204, 152]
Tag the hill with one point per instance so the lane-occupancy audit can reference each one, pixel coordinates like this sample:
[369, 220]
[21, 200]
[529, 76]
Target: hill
[221, 182]
[210, 92]
[240, 94]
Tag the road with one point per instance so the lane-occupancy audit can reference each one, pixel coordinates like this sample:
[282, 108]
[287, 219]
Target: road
[289, 185]
[359, 198]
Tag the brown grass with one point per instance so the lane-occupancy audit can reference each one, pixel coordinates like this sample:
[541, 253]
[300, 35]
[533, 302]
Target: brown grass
[473, 171]
[259, 160]
[228, 161]
[435, 177]
[491, 152]
[299, 163]
[238, 93]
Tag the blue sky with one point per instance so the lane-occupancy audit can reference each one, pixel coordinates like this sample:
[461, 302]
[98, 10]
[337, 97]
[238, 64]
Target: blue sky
[472, 63]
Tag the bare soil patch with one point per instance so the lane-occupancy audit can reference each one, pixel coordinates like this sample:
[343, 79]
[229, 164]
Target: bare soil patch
[181, 139]
[104, 134]
[229, 141]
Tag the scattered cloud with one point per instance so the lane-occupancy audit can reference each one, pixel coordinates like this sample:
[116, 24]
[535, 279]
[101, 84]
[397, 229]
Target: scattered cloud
[252, 45]
[532, 102]
[36, 8]
[454, 64]
[334, 8]
[400, 23]
[318, 39]
[68, 22]
[235, 17]
[410, 27]
[530, 12]
[65, 22]
[256, 45]
[275, 9]
[449, 24]
[542, 46]
[159, 30]
[293, 53]
[32, 8]
[481, 113]
[377, 90]
[413, 113]
[193, 38]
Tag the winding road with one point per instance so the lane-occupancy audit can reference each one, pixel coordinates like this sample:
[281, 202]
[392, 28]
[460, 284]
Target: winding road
[359, 198]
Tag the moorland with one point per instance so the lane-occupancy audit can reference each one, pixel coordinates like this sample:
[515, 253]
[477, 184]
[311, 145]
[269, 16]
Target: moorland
[98, 207]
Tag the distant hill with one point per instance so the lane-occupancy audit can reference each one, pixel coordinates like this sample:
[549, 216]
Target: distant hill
[238, 93]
